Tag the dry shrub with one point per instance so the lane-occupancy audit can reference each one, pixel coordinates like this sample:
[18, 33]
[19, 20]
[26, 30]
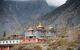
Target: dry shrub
[37, 48]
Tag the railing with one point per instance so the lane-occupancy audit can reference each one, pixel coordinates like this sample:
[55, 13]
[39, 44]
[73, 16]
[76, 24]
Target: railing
[2, 42]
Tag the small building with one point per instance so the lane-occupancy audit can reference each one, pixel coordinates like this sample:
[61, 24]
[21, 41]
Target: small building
[39, 34]
[7, 44]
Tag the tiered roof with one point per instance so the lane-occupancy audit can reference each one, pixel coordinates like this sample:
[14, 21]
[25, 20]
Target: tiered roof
[30, 29]
[40, 31]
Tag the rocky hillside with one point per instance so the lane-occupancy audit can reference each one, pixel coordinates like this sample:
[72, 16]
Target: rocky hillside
[14, 15]
[66, 15]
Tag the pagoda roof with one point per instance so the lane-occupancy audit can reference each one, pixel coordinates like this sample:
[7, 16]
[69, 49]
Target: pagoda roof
[30, 29]
[40, 25]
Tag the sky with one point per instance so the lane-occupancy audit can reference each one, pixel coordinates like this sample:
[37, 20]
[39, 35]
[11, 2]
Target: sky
[56, 2]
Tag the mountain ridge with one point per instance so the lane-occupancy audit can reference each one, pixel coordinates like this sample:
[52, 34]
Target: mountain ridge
[14, 16]
[67, 14]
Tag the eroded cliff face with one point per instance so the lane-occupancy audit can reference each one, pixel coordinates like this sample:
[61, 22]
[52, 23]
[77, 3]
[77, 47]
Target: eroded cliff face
[15, 15]
[66, 15]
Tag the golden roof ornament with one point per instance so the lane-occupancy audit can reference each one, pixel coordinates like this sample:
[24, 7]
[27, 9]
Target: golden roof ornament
[40, 25]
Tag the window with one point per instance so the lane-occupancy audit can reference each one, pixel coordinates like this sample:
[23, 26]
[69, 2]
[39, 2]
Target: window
[10, 41]
[6, 41]
[31, 37]
[17, 41]
[3, 42]
[13, 41]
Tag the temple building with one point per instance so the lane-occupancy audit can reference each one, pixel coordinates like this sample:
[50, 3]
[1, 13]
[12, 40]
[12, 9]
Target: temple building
[29, 33]
[38, 33]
